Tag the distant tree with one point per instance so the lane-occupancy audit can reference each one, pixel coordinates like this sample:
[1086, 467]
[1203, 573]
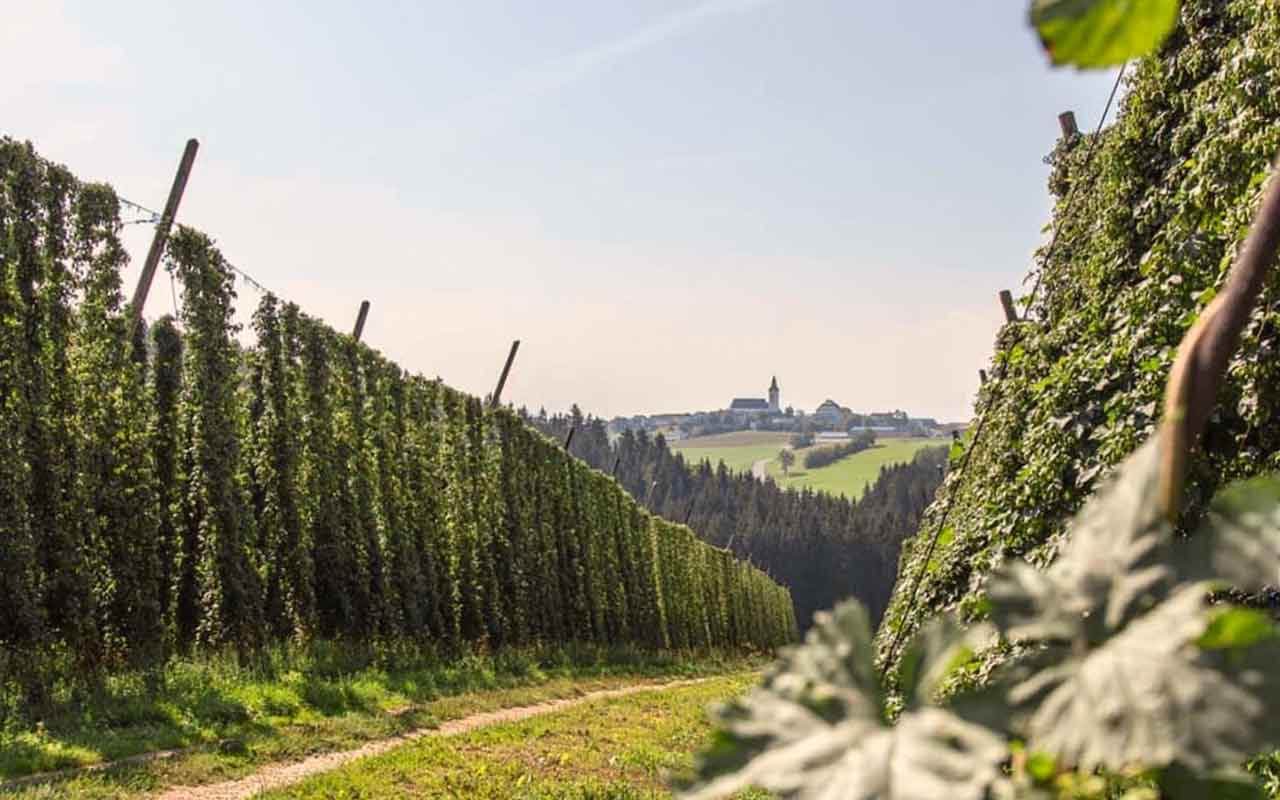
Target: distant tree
[824, 456]
[802, 439]
[787, 458]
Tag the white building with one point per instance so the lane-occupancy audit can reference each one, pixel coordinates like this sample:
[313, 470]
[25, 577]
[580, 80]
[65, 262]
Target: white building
[758, 406]
[830, 412]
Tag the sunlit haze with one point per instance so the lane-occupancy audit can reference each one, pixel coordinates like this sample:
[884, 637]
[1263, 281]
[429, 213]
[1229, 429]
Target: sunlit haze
[667, 202]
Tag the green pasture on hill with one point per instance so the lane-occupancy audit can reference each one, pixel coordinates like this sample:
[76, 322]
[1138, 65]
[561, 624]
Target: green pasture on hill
[738, 450]
[850, 476]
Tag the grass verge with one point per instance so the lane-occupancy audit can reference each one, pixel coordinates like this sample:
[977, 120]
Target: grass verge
[228, 721]
[618, 748]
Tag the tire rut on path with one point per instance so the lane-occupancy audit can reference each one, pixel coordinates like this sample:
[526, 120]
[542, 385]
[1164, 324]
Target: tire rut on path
[275, 776]
[760, 469]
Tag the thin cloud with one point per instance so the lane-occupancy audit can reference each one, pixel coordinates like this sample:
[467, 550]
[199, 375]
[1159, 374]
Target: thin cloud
[525, 89]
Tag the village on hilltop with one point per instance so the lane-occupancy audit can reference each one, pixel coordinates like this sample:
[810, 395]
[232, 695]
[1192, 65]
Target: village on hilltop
[830, 420]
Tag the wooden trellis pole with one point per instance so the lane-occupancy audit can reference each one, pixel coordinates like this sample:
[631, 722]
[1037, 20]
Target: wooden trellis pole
[360, 318]
[1067, 122]
[1010, 311]
[162, 231]
[502, 379]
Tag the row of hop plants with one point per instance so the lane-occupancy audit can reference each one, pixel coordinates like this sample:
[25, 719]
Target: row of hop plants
[1148, 215]
[1133, 657]
[174, 491]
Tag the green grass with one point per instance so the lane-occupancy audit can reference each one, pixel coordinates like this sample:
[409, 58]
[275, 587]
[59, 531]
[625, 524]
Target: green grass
[739, 450]
[850, 476]
[229, 721]
[618, 748]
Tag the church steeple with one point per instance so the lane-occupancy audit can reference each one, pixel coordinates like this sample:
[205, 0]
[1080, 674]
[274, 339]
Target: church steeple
[775, 396]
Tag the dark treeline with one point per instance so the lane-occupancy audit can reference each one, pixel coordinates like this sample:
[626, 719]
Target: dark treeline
[825, 456]
[823, 548]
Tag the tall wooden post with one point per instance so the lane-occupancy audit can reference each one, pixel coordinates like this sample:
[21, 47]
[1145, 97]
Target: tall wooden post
[360, 318]
[1067, 122]
[502, 379]
[693, 503]
[568, 440]
[1006, 300]
[162, 230]
[616, 462]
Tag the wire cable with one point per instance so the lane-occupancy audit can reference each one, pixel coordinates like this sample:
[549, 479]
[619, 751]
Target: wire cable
[994, 397]
[1091, 179]
[173, 292]
[155, 217]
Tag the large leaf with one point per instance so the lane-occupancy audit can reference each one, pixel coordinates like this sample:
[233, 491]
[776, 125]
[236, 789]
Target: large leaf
[1149, 695]
[1114, 567]
[930, 753]
[1130, 665]
[1102, 33]
[834, 668]
[940, 648]
[816, 729]
[1239, 541]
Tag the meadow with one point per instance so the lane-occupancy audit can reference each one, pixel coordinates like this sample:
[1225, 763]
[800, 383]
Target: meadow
[738, 450]
[850, 476]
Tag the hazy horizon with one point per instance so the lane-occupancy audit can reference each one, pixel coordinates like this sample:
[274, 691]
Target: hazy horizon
[668, 203]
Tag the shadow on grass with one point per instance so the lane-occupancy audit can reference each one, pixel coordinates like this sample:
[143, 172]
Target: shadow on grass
[210, 701]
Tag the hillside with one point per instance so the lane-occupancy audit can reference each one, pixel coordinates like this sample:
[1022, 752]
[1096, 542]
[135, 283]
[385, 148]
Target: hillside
[1162, 208]
[854, 474]
[824, 548]
[738, 450]
[849, 477]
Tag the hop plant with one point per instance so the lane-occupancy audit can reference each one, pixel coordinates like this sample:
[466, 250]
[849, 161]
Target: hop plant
[1123, 665]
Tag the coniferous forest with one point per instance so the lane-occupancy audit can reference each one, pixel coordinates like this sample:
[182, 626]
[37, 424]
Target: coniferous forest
[823, 548]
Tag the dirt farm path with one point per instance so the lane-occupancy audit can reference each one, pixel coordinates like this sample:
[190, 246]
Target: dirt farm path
[274, 776]
[758, 469]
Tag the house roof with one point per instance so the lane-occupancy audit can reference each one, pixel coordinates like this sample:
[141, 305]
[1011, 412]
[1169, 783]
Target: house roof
[749, 404]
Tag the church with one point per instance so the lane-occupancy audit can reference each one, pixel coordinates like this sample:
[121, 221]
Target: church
[758, 406]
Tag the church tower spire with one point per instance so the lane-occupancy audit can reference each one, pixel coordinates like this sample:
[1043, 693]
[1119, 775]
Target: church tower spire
[775, 396]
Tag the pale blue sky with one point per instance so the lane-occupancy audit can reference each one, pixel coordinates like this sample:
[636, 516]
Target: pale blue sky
[668, 202]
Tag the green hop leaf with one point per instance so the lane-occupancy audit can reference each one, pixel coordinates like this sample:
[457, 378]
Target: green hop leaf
[1102, 33]
[816, 728]
[1147, 695]
[1239, 541]
[1235, 628]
